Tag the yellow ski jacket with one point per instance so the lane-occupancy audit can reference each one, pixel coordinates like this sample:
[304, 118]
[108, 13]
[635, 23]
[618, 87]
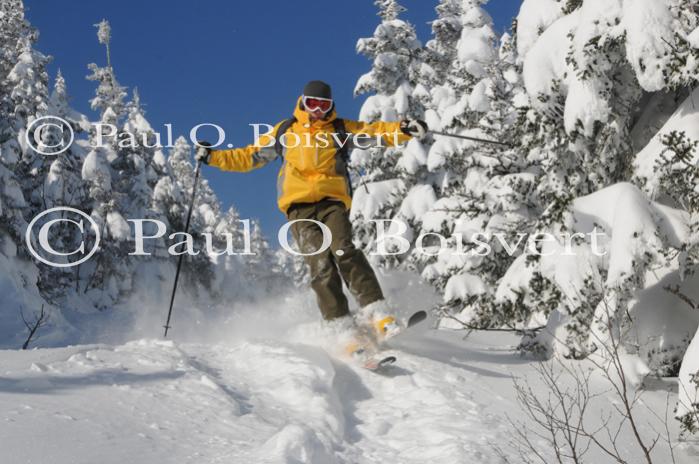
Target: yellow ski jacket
[312, 167]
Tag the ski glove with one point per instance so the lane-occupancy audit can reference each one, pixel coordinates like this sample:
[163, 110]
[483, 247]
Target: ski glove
[203, 152]
[415, 127]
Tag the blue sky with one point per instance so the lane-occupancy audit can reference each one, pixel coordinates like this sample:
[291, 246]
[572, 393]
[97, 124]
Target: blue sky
[232, 63]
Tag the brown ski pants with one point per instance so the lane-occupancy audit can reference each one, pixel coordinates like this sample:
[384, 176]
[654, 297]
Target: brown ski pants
[342, 261]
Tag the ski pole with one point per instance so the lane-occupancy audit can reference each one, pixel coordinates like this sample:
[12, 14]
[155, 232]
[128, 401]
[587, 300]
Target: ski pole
[362, 181]
[186, 230]
[473, 139]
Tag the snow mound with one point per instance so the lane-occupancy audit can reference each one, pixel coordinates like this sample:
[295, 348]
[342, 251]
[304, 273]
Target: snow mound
[255, 401]
[649, 28]
[633, 224]
[535, 16]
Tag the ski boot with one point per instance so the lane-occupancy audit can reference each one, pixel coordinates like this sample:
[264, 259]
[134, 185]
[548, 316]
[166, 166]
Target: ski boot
[351, 340]
[376, 316]
[357, 350]
[364, 352]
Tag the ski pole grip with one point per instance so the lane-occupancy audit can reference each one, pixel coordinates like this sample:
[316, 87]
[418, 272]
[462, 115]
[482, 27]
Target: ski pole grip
[203, 152]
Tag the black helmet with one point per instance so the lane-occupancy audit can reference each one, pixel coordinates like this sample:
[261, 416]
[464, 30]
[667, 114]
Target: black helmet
[318, 89]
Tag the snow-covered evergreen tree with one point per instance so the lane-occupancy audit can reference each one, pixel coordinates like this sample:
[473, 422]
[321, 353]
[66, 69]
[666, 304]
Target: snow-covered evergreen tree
[205, 214]
[110, 95]
[134, 168]
[113, 175]
[471, 90]
[473, 53]
[388, 175]
[596, 76]
[22, 98]
[263, 264]
[576, 90]
[13, 32]
[487, 193]
[103, 170]
[28, 101]
[440, 51]
[681, 70]
[62, 185]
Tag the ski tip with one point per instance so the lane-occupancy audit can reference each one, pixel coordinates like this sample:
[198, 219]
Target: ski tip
[376, 364]
[416, 318]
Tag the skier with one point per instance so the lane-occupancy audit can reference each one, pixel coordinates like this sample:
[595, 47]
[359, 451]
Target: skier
[313, 184]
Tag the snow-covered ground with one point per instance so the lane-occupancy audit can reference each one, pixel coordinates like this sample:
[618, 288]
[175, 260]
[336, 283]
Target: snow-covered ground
[254, 401]
[268, 400]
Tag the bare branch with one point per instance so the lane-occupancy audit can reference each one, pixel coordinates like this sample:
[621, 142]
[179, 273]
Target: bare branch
[39, 321]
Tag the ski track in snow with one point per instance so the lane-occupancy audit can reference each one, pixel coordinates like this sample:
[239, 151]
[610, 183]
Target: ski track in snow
[258, 401]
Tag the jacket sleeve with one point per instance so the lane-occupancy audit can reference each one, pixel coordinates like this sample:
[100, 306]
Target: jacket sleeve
[246, 158]
[389, 131]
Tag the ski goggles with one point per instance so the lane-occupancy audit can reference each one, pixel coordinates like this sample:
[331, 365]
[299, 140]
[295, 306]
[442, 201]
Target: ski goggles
[317, 103]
